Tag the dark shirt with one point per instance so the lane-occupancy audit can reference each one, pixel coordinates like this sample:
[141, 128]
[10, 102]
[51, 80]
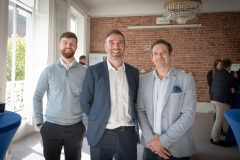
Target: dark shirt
[238, 73]
[82, 63]
[222, 83]
[209, 80]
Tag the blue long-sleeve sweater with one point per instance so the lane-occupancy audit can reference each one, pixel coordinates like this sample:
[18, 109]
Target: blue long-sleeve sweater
[63, 89]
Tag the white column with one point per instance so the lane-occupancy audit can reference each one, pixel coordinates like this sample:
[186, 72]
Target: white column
[3, 45]
[52, 33]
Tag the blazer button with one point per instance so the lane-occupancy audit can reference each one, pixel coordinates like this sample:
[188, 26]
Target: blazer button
[105, 123]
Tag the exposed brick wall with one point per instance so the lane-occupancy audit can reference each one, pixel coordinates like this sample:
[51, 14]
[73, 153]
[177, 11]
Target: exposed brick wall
[194, 49]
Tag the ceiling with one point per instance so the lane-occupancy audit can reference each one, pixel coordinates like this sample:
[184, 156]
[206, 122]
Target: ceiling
[116, 8]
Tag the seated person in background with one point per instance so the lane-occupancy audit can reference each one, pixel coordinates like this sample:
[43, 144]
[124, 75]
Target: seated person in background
[223, 86]
[83, 60]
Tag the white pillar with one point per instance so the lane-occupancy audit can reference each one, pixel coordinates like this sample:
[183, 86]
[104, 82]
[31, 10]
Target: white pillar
[3, 45]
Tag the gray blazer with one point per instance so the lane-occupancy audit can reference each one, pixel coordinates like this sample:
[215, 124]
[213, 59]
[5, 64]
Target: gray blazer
[177, 116]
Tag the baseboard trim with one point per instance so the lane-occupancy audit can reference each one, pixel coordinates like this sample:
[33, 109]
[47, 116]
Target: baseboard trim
[24, 130]
[204, 107]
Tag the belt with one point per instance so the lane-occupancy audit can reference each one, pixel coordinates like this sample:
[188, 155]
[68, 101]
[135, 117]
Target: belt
[121, 128]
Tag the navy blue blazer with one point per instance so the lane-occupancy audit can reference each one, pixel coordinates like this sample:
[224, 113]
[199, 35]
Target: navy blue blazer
[221, 84]
[95, 98]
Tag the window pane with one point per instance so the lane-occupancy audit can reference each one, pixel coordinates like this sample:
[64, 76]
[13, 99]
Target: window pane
[19, 27]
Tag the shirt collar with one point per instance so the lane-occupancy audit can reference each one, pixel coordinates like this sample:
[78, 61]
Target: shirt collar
[111, 67]
[156, 75]
[64, 64]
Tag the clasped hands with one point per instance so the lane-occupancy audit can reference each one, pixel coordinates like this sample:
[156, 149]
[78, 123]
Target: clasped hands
[156, 146]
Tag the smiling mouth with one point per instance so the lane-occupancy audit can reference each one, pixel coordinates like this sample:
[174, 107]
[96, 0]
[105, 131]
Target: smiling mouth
[67, 49]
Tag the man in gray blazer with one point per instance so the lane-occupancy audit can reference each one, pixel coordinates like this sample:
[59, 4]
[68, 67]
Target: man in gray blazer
[108, 98]
[166, 106]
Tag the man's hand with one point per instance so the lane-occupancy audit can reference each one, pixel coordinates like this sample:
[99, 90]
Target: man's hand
[232, 90]
[235, 75]
[156, 146]
[40, 126]
[85, 126]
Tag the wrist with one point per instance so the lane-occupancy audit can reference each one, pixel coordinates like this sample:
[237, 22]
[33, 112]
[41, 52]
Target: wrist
[39, 124]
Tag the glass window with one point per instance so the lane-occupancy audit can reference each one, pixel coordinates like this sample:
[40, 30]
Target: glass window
[73, 24]
[18, 44]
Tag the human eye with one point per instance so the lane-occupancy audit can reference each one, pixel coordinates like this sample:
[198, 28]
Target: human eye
[73, 44]
[64, 42]
[111, 42]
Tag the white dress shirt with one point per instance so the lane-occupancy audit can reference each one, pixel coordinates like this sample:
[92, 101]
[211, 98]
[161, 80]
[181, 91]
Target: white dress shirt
[120, 112]
[160, 87]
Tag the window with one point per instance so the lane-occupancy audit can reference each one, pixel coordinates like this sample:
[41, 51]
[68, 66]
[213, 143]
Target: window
[73, 24]
[19, 28]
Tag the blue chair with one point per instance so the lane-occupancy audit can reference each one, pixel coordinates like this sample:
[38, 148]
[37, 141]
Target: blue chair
[9, 123]
[233, 118]
[230, 138]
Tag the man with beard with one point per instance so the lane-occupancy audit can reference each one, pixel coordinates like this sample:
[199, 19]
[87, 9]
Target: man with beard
[108, 99]
[63, 83]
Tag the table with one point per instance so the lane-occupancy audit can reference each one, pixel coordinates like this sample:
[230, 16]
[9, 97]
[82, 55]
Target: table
[233, 118]
[230, 138]
[9, 123]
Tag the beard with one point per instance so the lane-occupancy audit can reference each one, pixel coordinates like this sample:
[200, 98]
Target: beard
[67, 54]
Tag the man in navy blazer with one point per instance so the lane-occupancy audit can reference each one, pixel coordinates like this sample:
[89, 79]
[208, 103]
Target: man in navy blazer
[223, 86]
[108, 98]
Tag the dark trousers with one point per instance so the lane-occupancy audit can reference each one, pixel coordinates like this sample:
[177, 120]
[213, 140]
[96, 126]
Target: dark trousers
[122, 145]
[149, 155]
[55, 137]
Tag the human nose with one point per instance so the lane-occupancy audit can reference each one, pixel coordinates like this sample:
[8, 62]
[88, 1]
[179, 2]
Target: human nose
[68, 45]
[116, 45]
[159, 55]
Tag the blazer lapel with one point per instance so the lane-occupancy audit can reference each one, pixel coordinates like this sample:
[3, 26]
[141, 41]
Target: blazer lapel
[149, 88]
[173, 78]
[105, 73]
[129, 76]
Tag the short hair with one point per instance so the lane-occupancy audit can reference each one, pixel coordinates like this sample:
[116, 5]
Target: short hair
[226, 63]
[68, 35]
[115, 32]
[82, 57]
[161, 41]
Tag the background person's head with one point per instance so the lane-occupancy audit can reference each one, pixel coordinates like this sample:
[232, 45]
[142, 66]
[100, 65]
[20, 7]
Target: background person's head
[217, 65]
[114, 44]
[227, 64]
[68, 44]
[83, 59]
